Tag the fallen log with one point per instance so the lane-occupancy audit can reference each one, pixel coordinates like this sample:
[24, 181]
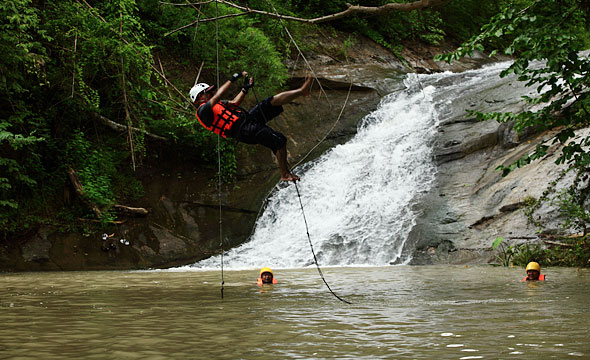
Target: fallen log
[118, 127]
[116, 222]
[131, 210]
[81, 193]
[557, 243]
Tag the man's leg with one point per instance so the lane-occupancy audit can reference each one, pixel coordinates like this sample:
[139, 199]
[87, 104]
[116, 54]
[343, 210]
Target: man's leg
[286, 175]
[287, 96]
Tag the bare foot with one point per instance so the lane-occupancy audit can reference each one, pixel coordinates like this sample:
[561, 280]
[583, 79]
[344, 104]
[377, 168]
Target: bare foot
[290, 177]
[306, 87]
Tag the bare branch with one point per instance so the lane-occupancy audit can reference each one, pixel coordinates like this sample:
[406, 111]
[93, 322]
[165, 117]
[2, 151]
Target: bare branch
[131, 210]
[187, 4]
[199, 73]
[118, 127]
[125, 102]
[198, 21]
[74, 61]
[351, 10]
[75, 180]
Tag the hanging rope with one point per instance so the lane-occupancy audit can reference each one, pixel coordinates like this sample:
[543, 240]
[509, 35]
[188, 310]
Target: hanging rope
[219, 149]
[315, 259]
[299, 50]
[329, 131]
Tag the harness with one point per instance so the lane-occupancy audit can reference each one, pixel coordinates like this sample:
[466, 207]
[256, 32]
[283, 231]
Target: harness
[224, 118]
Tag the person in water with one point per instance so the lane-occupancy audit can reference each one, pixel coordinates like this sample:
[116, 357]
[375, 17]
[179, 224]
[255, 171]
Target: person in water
[533, 272]
[228, 119]
[266, 277]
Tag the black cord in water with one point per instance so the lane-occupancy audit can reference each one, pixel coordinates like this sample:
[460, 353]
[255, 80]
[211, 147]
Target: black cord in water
[315, 259]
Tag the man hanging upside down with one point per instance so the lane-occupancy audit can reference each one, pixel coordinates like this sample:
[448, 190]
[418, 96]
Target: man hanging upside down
[228, 119]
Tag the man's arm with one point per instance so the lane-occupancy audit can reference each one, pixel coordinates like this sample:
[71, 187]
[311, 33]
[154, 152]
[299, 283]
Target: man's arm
[248, 83]
[238, 99]
[223, 89]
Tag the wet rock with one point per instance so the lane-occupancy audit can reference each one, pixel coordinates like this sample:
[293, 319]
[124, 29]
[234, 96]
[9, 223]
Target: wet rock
[37, 247]
[485, 204]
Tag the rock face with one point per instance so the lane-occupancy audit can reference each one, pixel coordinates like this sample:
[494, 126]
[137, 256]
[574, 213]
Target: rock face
[469, 206]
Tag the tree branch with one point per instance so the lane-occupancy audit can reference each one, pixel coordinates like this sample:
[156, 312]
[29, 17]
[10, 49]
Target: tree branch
[131, 210]
[351, 10]
[118, 127]
[73, 175]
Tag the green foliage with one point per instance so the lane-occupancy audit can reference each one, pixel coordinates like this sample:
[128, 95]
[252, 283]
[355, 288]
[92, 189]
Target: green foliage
[95, 168]
[459, 18]
[21, 64]
[506, 252]
[576, 254]
[526, 253]
[69, 65]
[463, 19]
[566, 252]
[573, 202]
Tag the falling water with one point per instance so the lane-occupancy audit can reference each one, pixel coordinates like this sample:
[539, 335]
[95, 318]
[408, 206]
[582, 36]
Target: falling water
[359, 197]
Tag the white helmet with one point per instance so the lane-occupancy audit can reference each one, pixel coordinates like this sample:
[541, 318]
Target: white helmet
[198, 89]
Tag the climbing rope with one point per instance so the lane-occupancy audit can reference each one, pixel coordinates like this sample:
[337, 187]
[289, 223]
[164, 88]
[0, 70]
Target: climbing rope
[315, 259]
[329, 131]
[219, 148]
[280, 20]
[300, 54]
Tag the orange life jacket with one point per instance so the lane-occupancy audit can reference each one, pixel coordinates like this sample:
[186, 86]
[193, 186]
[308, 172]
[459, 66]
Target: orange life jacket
[224, 117]
[259, 281]
[541, 278]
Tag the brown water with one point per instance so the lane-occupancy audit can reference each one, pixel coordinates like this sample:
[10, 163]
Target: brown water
[441, 312]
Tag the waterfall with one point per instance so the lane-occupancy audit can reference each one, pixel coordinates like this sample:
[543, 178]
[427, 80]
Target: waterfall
[358, 197]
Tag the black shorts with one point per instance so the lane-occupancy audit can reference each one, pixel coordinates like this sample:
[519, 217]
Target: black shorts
[254, 130]
[264, 111]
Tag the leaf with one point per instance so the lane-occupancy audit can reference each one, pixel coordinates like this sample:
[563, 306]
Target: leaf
[497, 242]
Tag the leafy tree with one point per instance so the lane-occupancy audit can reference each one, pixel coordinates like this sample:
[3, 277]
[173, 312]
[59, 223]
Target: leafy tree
[72, 64]
[21, 126]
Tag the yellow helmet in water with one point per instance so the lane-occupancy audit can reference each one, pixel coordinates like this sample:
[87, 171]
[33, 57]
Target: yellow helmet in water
[533, 266]
[266, 269]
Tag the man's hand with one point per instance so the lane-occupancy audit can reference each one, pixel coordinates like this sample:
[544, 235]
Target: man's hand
[248, 83]
[236, 76]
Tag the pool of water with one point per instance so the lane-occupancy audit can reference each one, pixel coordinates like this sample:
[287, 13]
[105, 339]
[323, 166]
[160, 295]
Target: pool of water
[397, 312]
